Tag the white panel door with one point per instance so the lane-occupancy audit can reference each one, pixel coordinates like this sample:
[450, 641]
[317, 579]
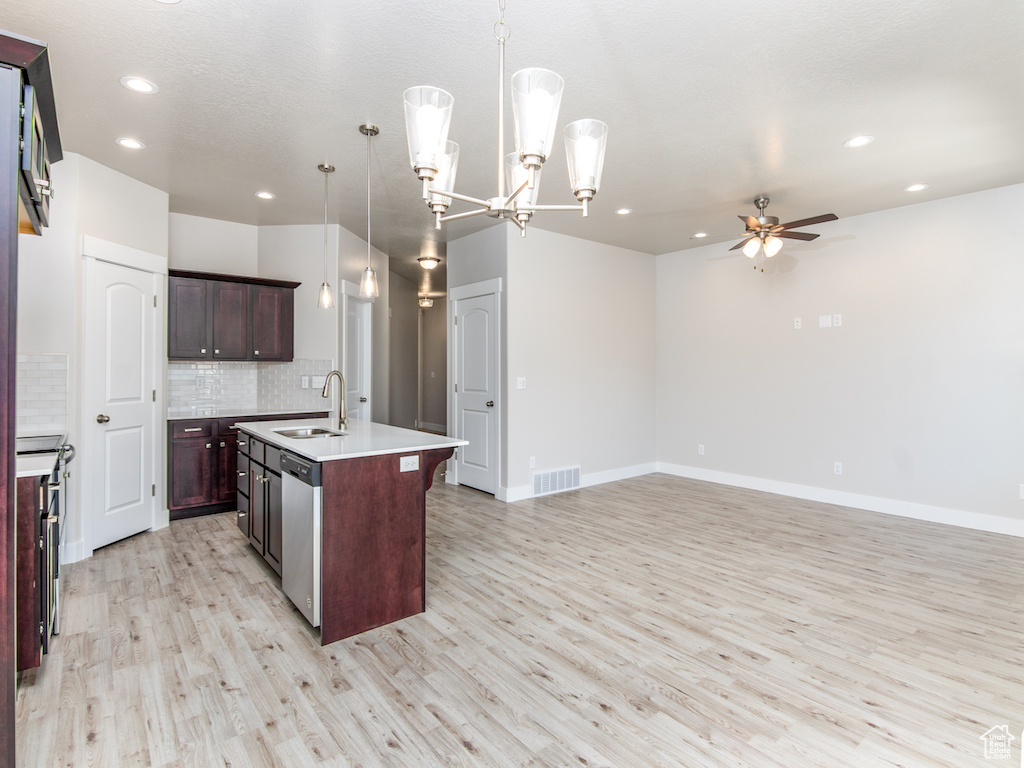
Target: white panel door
[476, 352]
[119, 370]
[356, 357]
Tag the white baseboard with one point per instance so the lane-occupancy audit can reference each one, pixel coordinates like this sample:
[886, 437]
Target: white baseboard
[978, 521]
[520, 492]
[73, 551]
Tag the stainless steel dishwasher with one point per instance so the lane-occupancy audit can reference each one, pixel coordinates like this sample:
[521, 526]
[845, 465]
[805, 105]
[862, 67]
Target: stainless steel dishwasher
[300, 540]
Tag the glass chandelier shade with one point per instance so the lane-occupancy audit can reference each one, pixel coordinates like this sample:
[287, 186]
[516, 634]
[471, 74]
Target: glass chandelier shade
[448, 166]
[585, 142]
[515, 174]
[536, 98]
[325, 299]
[428, 115]
[426, 301]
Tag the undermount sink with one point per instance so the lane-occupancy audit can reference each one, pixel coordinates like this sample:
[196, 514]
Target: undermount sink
[307, 432]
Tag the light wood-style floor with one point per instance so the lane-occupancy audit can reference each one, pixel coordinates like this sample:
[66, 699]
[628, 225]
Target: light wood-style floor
[651, 622]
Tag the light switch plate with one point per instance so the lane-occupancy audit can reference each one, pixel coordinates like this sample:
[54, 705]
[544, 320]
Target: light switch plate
[408, 463]
[521, 382]
[305, 382]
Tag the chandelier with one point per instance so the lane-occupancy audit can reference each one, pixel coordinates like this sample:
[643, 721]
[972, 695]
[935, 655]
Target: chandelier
[536, 98]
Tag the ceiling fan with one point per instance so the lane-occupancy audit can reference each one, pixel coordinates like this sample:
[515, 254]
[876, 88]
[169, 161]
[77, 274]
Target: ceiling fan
[764, 233]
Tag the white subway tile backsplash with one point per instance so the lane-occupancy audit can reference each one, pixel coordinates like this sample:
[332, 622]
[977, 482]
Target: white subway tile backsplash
[41, 393]
[280, 386]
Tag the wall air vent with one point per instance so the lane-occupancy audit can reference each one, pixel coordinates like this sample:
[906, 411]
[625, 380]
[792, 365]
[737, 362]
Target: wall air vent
[554, 482]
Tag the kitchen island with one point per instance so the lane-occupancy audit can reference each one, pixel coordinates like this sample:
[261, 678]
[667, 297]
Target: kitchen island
[368, 519]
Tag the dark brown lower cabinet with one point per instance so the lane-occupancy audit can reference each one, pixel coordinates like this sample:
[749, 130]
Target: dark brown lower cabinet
[261, 521]
[33, 495]
[202, 463]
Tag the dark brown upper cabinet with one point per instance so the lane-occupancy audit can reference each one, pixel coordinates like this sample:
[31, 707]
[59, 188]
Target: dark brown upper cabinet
[224, 317]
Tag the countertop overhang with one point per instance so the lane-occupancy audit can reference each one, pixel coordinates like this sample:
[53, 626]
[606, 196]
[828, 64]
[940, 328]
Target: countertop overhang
[362, 438]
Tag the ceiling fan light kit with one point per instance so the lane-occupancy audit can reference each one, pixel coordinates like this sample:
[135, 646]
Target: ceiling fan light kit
[764, 233]
[536, 98]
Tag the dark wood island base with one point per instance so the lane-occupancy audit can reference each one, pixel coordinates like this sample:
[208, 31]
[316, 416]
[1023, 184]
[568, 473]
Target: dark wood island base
[373, 554]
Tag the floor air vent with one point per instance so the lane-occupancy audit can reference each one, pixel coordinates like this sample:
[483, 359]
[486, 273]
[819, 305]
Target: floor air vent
[553, 482]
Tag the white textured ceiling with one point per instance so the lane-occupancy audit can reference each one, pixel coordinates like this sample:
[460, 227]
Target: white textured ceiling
[708, 104]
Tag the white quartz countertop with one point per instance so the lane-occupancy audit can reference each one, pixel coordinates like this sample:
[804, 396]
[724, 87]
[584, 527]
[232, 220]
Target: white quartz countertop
[363, 438]
[35, 464]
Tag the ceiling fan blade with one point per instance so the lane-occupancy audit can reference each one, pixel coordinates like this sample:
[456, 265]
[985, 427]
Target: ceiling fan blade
[741, 243]
[752, 223]
[797, 235]
[810, 221]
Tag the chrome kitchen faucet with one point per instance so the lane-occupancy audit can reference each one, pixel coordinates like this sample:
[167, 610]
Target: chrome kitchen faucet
[339, 419]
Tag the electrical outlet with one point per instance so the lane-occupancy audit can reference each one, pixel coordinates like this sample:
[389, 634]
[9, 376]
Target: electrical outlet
[305, 382]
[797, 324]
[837, 468]
[408, 463]
[837, 320]
[533, 463]
[432, 374]
[824, 321]
[700, 449]
[521, 382]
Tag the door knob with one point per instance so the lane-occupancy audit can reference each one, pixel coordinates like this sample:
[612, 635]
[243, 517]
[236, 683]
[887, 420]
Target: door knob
[101, 419]
[490, 403]
[362, 399]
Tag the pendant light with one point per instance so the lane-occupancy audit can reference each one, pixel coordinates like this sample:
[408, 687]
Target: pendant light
[368, 285]
[326, 298]
[426, 301]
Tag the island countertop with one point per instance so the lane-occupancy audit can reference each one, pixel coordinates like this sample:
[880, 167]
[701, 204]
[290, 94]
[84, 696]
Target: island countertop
[362, 438]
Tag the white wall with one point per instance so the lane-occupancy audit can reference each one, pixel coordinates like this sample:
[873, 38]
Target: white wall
[404, 351]
[581, 330]
[920, 392]
[91, 200]
[208, 245]
[296, 252]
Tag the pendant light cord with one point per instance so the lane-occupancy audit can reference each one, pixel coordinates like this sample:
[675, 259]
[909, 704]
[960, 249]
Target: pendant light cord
[368, 245]
[325, 226]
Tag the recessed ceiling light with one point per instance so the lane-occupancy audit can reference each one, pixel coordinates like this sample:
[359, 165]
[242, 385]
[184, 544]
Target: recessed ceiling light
[700, 234]
[858, 141]
[915, 188]
[265, 195]
[128, 143]
[139, 84]
[624, 211]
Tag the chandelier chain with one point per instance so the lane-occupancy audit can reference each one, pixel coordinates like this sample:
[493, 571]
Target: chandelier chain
[502, 31]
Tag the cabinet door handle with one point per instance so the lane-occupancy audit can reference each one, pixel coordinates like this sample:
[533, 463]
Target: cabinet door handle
[216, 351]
[241, 474]
[241, 514]
[242, 443]
[194, 429]
[209, 445]
[256, 352]
[202, 351]
[222, 444]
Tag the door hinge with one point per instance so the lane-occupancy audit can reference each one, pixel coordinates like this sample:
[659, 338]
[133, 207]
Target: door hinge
[154, 489]
[154, 395]
[154, 299]
[456, 387]
[456, 318]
